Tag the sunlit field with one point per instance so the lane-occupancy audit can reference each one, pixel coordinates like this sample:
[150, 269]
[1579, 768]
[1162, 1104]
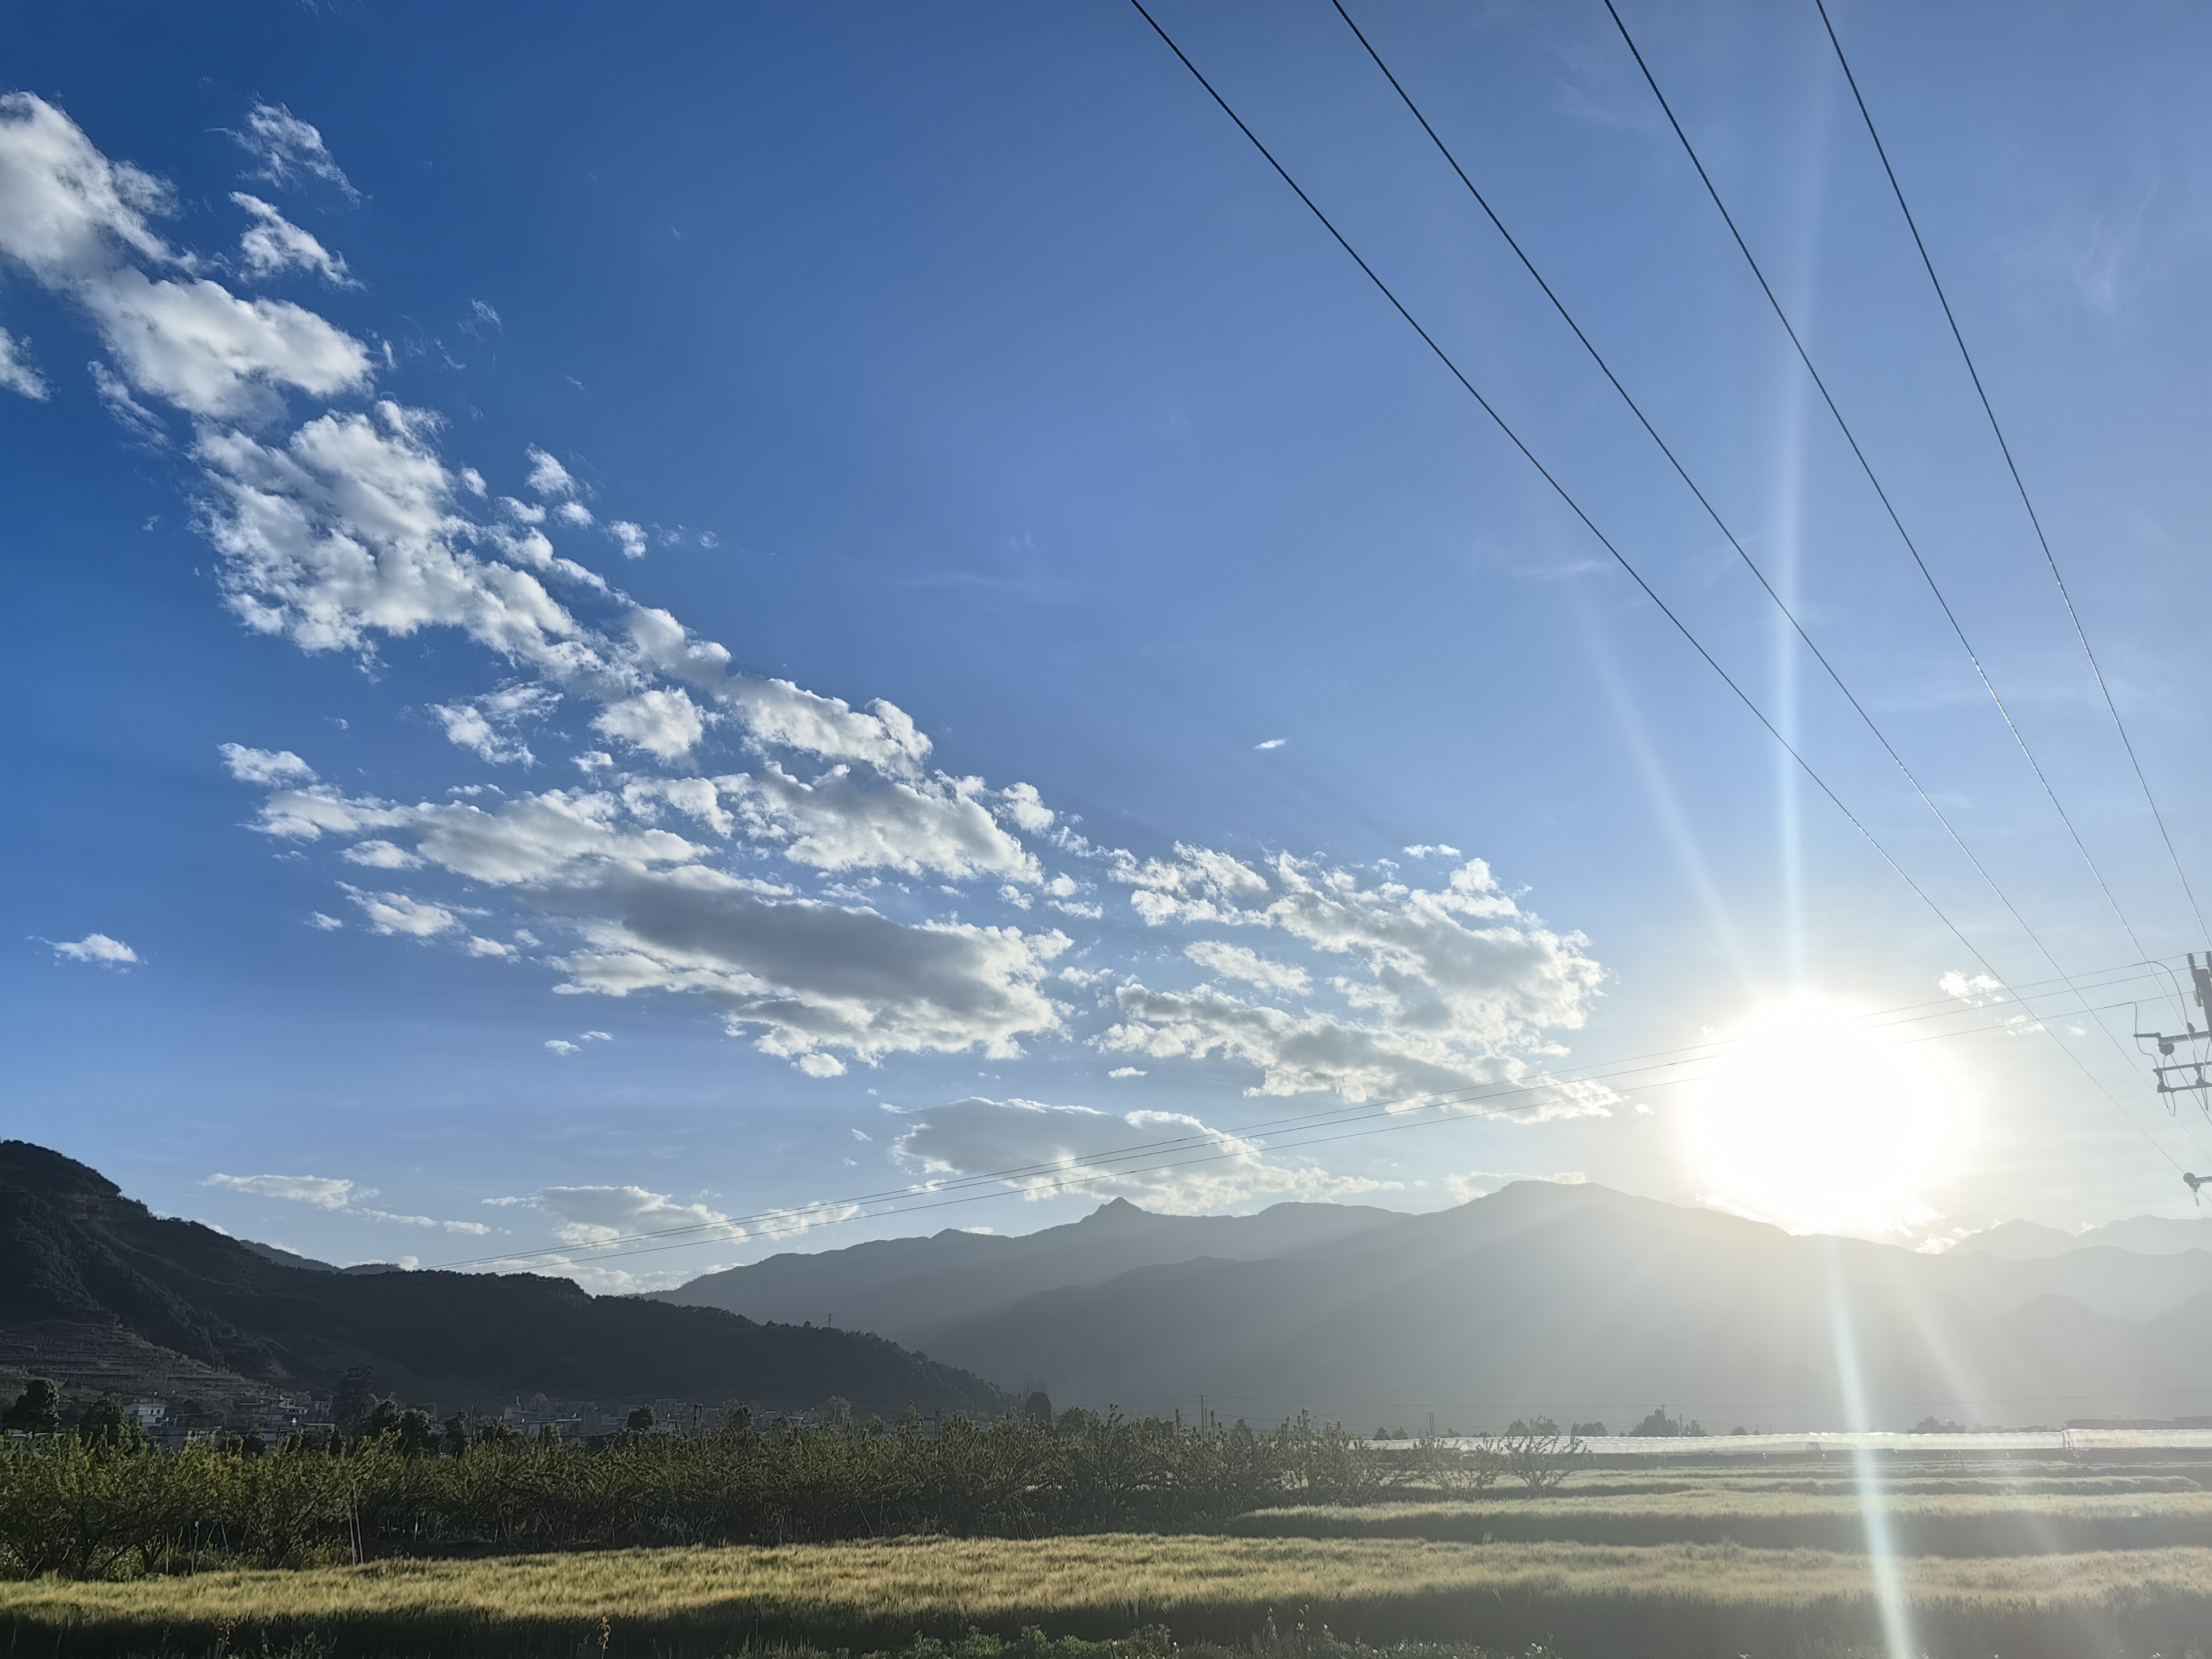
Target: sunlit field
[2035, 1559]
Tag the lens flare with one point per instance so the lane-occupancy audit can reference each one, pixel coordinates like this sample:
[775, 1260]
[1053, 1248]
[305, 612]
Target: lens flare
[1814, 1118]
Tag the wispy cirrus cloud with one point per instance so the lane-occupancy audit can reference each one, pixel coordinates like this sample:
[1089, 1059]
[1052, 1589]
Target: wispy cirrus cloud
[18, 374]
[336, 1195]
[289, 150]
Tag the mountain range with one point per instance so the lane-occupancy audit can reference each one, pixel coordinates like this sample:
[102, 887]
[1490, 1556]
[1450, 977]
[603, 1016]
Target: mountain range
[2144, 1234]
[1542, 1297]
[1573, 1300]
[101, 1295]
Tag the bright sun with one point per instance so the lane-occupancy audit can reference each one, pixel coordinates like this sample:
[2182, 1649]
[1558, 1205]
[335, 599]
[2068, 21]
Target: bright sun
[1814, 1117]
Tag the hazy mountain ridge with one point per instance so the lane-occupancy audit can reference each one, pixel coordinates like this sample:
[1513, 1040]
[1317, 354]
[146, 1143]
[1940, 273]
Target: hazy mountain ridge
[2141, 1235]
[1540, 1296]
[80, 1264]
[913, 1290]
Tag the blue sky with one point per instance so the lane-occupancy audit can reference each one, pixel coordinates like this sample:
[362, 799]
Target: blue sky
[1063, 592]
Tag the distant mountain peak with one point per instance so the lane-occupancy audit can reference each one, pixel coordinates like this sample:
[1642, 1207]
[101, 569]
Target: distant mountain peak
[1115, 1209]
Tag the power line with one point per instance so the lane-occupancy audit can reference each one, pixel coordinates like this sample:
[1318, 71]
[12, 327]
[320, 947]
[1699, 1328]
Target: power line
[1096, 1167]
[2012, 466]
[1618, 558]
[1713, 513]
[999, 1178]
[1867, 466]
[1594, 1070]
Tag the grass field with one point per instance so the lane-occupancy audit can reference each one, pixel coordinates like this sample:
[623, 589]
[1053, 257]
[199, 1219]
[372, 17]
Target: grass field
[1919, 1523]
[2029, 1562]
[1578, 1598]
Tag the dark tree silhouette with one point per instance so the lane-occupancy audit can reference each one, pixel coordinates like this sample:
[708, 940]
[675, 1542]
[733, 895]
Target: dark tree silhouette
[37, 1410]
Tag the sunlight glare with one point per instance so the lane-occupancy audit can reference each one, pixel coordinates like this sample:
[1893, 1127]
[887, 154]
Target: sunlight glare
[1814, 1118]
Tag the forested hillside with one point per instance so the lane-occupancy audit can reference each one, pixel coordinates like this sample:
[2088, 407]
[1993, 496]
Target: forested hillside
[96, 1290]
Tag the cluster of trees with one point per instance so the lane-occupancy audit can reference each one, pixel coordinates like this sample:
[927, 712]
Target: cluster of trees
[89, 1506]
[1660, 1426]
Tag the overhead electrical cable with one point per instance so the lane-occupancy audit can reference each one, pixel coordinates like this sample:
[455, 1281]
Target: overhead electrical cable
[1867, 466]
[1001, 1177]
[1592, 1071]
[1575, 507]
[1720, 524]
[1028, 1181]
[2050, 558]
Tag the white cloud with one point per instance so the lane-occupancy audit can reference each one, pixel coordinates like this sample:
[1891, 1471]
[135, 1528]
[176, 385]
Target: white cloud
[560, 1047]
[486, 724]
[1024, 806]
[666, 723]
[96, 947]
[812, 977]
[341, 1197]
[595, 1215]
[210, 353]
[1460, 965]
[1975, 991]
[131, 415]
[574, 513]
[1046, 1150]
[476, 945]
[547, 476]
[1127, 1071]
[833, 823]
[352, 529]
[76, 222]
[288, 147]
[1294, 1053]
[1271, 742]
[1235, 962]
[316, 920]
[1424, 850]
[381, 855]
[321, 1191]
[347, 530]
[1310, 1051]
[590, 1216]
[777, 711]
[62, 203]
[17, 371]
[806, 977]
[696, 797]
[531, 839]
[660, 641]
[273, 245]
[267, 766]
[396, 913]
